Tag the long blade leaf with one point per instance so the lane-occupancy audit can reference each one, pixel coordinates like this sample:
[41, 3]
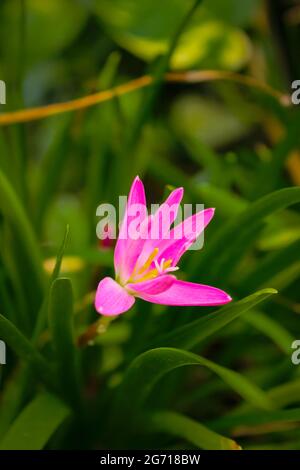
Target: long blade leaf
[33, 428]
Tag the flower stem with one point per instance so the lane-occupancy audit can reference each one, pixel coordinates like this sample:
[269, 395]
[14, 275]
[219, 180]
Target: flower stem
[97, 328]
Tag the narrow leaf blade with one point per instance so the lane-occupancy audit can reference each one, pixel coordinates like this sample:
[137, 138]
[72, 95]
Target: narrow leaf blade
[36, 424]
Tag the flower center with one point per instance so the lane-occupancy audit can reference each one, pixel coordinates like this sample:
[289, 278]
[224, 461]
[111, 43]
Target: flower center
[145, 274]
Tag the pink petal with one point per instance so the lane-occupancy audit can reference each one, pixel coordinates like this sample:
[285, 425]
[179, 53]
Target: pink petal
[111, 298]
[166, 214]
[160, 224]
[134, 248]
[136, 197]
[188, 294]
[153, 287]
[184, 235]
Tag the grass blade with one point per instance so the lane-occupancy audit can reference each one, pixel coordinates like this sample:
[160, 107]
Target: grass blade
[14, 211]
[61, 326]
[52, 169]
[149, 367]
[245, 423]
[269, 266]
[191, 334]
[181, 426]
[42, 315]
[19, 388]
[271, 328]
[151, 94]
[35, 425]
[237, 228]
[25, 350]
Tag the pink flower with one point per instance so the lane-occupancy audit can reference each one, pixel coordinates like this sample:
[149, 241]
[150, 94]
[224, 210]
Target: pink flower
[144, 265]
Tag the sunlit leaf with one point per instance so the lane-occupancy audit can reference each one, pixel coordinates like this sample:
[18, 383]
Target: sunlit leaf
[144, 28]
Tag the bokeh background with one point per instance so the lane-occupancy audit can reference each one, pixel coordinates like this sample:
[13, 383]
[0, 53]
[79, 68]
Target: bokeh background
[230, 135]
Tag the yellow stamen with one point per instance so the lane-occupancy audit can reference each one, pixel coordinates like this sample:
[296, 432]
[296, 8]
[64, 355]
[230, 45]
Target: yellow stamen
[144, 268]
[167, 264]
[154, 272]
[149, 261]
[150, 275]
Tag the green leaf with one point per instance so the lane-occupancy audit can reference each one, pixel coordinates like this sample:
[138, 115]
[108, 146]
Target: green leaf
[43, 16]
[144, 29]
[14, 392]
[12, 399]
[181, 426]
[149, 367]
[280, 231]
[193, 115]
[233, 11]
[282, 395]
[60, 255]
[214, 257]
[103, 140]
[271, 328]
[13, 210]
[227, 203]
[286, 394]
[52, 167]
[6, 299]
[254, 419]
[4, 163]
[204, 156]
[35, 425]
[67, 211]
[61, 326]
[265, 269]
[42, 315]
[158, 72]
[25, 350]
[268, 175]
[190, 335]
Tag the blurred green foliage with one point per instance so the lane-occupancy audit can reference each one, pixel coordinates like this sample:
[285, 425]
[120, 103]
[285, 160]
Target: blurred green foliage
[231, 146]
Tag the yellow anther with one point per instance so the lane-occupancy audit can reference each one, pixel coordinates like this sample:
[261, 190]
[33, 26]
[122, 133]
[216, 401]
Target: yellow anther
[167, 264]
[150, 275]
[149, 261]
[153, 273]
